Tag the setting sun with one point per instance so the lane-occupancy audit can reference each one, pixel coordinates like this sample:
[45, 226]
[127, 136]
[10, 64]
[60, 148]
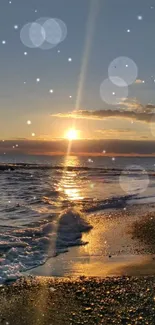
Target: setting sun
[72, 134]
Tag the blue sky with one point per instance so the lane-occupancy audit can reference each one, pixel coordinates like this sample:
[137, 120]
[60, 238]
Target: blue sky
[20, 102]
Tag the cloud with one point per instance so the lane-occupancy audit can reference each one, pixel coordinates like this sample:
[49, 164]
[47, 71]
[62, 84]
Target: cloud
[132, 104]
[79, 147]
[139, 81]
[150, 108]
[129, 108]
[122, 134]
[104, 131]
[146, 116]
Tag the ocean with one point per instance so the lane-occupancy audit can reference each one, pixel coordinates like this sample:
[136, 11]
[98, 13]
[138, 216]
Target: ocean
[44, 201]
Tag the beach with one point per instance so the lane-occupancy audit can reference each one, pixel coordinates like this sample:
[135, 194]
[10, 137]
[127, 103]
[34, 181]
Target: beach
[77, 162]
[75, 248]
[57, 301]
[79, 287]
[120, 243]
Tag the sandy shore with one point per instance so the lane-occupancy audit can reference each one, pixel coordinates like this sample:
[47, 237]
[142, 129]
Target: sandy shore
[120, 243]
[41, 301]
[120, 255]
[70, 264]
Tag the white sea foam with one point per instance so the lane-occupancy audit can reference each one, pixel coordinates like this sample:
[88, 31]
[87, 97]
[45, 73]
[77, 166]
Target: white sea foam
[30, 247]
[34, 222]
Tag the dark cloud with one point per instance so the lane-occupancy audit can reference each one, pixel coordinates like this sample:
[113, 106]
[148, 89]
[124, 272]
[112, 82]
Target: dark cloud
[146, 116]
[129, 108]
[79, 147]
[150, 108]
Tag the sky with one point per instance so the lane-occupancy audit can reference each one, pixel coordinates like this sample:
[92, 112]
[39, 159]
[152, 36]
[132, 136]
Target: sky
[99, 79]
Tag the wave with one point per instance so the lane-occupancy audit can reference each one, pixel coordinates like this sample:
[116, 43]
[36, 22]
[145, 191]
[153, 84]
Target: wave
[24, 248]
[104, 170]
[112, 203]
[42, 208]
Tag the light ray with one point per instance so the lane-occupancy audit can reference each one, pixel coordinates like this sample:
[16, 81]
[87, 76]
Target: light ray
[94, 7]
[90, 29]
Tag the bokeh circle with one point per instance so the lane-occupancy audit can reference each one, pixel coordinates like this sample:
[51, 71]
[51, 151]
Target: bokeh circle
[37, 34]
[134, 179]
[25, 36]
[111, 93]
[55, 31]
[52, 31]
[45, 33]
[63, 29]
[123, 68]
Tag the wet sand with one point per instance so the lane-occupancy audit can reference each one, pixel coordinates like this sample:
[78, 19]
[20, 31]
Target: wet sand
[48, 301]
[120, 255]
[96, 266]
[120, 243]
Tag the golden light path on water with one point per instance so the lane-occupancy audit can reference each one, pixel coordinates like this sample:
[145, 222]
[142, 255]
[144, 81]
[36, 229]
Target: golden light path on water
[70, 183]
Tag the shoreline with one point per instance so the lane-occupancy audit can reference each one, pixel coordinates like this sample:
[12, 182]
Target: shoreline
[93, 284]
[95, 266]
[118, 244]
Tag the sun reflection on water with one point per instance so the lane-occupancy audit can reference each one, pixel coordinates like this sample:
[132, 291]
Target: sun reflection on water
[70, 183]
[72, 161]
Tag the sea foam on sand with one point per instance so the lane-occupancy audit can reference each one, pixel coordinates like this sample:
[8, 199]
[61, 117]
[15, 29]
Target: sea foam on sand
[27, 247]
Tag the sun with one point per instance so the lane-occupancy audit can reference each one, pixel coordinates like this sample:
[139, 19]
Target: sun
[72, 134]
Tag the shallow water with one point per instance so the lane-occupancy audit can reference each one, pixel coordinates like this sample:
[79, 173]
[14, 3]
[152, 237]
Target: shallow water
[43, 206]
